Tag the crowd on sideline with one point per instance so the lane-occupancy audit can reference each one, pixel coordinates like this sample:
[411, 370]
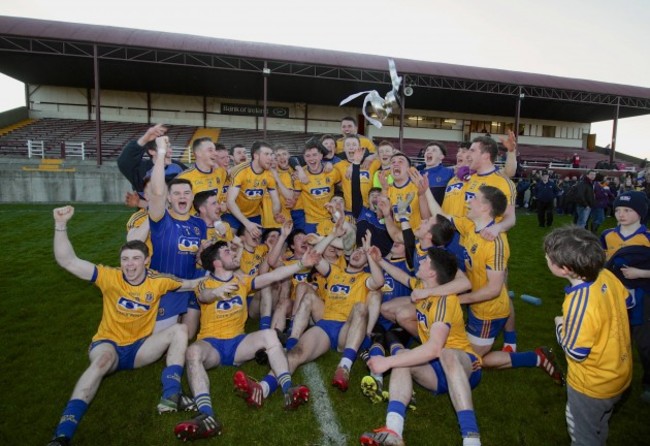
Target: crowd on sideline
[351, 248]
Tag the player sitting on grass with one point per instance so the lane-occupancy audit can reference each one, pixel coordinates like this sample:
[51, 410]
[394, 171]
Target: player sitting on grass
[124, 339]
[222, 339]
[444, 363]
[593, 332]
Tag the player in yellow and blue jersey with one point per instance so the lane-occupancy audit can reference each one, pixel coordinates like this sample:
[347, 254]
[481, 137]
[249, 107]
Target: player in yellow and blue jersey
[444, 363]
[124, 340]
[248, 184]
[222, 340]
[348, 128]
[593, 332]
[205, 174]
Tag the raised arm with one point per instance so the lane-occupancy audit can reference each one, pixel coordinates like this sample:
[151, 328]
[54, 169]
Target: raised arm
[491, 290]
[158, 192]
[510, 168]
[63, 250]
[458, 285]
[273, 258]
[376, 280]
[309, 259]
[139, 233]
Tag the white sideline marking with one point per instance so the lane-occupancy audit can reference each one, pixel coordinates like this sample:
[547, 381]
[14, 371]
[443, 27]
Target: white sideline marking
[322, 407]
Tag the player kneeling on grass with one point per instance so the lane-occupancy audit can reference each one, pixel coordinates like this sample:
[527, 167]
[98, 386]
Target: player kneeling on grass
[593, 332]
[124, 339]
[223, 341]
[444, 363]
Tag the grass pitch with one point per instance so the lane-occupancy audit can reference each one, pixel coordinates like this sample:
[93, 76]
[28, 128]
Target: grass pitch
[47, 318]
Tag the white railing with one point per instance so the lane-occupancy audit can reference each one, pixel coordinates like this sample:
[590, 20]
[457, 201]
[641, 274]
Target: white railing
[75, 149]
[35, 148]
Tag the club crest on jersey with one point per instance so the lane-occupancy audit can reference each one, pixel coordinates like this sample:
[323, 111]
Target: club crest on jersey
[364, 175]
[389, 284]
[148, 297]
[132, 305]
[227, 305]
[603, 289]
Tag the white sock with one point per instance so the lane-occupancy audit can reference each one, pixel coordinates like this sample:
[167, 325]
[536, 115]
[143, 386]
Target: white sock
[265, 389]
[345, 362]
[471, 441]
[395, 422]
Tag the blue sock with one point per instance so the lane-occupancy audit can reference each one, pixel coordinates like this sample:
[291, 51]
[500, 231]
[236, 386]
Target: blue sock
[395, 347]
[377, 350]
[272, 382]
[291, 343]
[525, 359]
[398, 407]
[171, 380]
[367, 342]
[285, 382]
[350, 354]
[510, 337]
[204, 404]
[265, 322]
[72, 415]
[467, 422]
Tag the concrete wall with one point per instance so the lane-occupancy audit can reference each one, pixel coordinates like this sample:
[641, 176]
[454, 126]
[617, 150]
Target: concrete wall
[88, 184]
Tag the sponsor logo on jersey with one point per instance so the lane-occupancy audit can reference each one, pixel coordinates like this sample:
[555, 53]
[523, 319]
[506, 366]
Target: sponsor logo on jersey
[188, 244]
[230, 304]
[132, 305]
[254, 193]
[340, 288]
[319, 191]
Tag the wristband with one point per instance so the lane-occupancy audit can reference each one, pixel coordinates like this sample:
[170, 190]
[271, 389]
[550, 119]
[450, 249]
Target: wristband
[56, 228]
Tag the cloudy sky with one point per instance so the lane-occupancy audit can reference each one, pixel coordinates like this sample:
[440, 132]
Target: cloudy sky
[597, 39]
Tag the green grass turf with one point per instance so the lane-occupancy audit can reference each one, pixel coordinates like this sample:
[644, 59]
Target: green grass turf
[47, 318]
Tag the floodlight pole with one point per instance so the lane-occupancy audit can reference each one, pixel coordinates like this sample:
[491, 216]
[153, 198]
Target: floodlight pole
[614, 131]
[98, 114]
[266, 72]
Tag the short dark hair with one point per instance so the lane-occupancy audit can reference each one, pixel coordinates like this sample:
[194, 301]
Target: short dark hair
[488, 145]
[138, 245]
[374, 189]
[464, 145]
[198, 141]
[267, 232]
[350, 118]
[232, 149]
[293, 235]
[314, 143]
[327, 136]
[442, 231]
[577, 249]
[444, 264]
[257, 146]
[201, 197]
[496, 198]
[403, 155]
[385, 142]
[440, 145]
[210, 254]
[218, 146]
[178, 181]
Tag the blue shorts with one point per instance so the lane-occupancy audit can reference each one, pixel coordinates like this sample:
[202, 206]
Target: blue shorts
[310, 228]
[236, 224]
[125, 353]
[443, 387]
[487, 330]
[226, 348]
[175, 303]
[298, 217]
[332, 329]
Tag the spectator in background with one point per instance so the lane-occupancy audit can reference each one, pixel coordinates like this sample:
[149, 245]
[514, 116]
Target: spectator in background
[575, 161]
[603, 199]
[545, 192]
[522, 186]
[135, 167]
[584, 198]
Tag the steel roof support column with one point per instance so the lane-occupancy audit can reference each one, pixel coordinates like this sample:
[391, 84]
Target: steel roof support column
[98, 114]
[402, 107]
[614, 131]
[520, 98]
[266, 72]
